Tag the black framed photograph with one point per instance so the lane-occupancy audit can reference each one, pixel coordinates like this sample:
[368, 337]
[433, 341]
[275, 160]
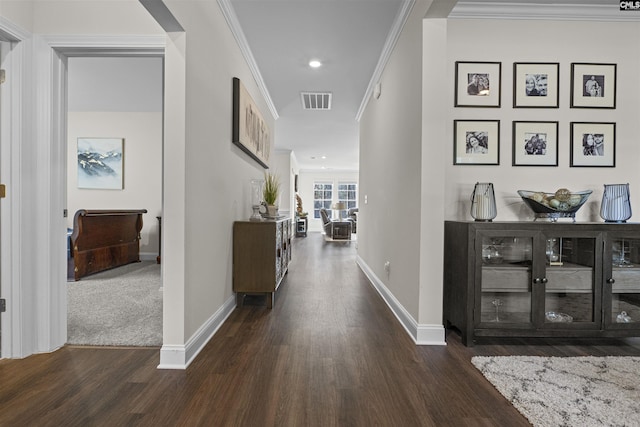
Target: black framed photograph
[593, 85]
[476, 142]
[593, 144]
[477, 84]
[535, 143]
[536, 85]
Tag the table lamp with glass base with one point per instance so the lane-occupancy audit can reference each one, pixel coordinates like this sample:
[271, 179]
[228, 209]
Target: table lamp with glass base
[256, 199]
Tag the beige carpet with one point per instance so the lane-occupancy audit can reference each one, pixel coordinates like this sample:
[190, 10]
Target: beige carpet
[118, 307]
[568, 391]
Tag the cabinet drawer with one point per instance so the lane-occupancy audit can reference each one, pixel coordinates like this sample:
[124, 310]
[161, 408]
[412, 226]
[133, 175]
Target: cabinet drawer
[570, 279]
[627, 280]
[506, 279]
[517, 279]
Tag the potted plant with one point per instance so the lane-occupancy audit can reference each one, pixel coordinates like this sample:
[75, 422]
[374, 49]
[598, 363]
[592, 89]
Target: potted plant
[270, 193]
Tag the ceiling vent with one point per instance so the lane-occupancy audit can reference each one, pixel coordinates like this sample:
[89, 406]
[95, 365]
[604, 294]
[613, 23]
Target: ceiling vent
[316, 100]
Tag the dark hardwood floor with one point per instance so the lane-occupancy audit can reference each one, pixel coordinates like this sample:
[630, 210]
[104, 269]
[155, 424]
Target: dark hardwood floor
[330, 353]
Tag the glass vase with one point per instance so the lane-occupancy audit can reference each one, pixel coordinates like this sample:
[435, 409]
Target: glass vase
[256, 199]
[483, 202]
[615, 206]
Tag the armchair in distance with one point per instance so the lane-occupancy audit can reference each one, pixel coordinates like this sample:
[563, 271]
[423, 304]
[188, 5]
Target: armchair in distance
[335, 229]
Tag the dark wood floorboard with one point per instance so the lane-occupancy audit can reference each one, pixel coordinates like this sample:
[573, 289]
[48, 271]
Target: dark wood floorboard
[329, 353]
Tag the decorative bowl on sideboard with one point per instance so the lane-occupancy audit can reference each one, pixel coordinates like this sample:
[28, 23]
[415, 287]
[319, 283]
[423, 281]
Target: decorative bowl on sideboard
[561, 204]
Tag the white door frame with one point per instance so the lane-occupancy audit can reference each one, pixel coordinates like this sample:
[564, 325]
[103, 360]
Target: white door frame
[13, 132]
[34, 152]
[61, 48]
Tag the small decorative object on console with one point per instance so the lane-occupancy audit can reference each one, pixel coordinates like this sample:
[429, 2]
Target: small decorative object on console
[270, 193]
[256, 199]
[615, 206]
[483, 202]
[299, 210]
[623, 317]
[561, 204]
[552, 316]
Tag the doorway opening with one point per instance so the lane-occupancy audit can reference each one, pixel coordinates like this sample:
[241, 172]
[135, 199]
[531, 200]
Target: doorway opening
[116, 101]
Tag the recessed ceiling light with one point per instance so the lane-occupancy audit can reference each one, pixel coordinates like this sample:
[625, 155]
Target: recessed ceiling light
[314, 63]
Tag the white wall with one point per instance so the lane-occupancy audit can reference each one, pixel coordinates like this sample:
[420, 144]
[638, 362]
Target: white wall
[390, 171]
[564, 42]
[123, 17]
[284, 165]
[443, 190]
[18, 12]
[215, 186]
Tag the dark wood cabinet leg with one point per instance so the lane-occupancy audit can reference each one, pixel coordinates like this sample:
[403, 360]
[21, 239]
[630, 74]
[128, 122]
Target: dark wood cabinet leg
[239, 299]
[271, 296]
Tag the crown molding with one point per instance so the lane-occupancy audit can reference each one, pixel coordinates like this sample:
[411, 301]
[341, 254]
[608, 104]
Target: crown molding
[234, 25]
[387, 50]
[12, 32]
[553, 12]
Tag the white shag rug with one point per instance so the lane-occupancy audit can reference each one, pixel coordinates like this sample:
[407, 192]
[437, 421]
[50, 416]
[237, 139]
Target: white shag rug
[118, 307]
[568, 391]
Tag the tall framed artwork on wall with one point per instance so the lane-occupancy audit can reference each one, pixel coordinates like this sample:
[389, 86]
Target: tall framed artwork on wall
[250, 131]
[477, 84]
[536, 85]
[593, 144]
[476, 142]
[535, 143]
[593, 85]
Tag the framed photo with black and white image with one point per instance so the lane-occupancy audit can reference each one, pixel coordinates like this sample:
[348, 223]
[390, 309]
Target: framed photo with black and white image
[477, 84]
[593, 144]
[476, 142]
[593, 85]
[535, 143]
[536, 85]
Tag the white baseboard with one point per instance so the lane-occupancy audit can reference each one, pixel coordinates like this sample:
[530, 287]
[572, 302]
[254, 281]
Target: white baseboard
[421, 334]
[180, 356]
[148, 256]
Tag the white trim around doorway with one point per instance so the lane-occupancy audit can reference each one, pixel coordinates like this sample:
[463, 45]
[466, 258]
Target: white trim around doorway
[35, 321]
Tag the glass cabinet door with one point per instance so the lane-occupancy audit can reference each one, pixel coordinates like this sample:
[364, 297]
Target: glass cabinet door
[622, 282]
[504, 270]
[571, 297]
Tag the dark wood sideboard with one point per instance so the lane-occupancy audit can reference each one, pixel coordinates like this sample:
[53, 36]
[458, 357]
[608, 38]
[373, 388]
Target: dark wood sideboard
[541, 279]
[261, 256]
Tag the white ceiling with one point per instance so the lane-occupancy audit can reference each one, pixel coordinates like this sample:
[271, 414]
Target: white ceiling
[348, 36]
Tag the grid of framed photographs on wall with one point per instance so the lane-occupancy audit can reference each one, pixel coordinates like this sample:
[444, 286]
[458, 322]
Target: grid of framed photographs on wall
[535, 85]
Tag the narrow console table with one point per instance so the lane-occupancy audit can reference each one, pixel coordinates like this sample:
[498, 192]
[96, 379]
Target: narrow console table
[541, 279]
[261, 255]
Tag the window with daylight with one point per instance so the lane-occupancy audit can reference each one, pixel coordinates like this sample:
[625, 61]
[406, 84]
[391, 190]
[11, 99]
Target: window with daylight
[347, 194]
[322, 196]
